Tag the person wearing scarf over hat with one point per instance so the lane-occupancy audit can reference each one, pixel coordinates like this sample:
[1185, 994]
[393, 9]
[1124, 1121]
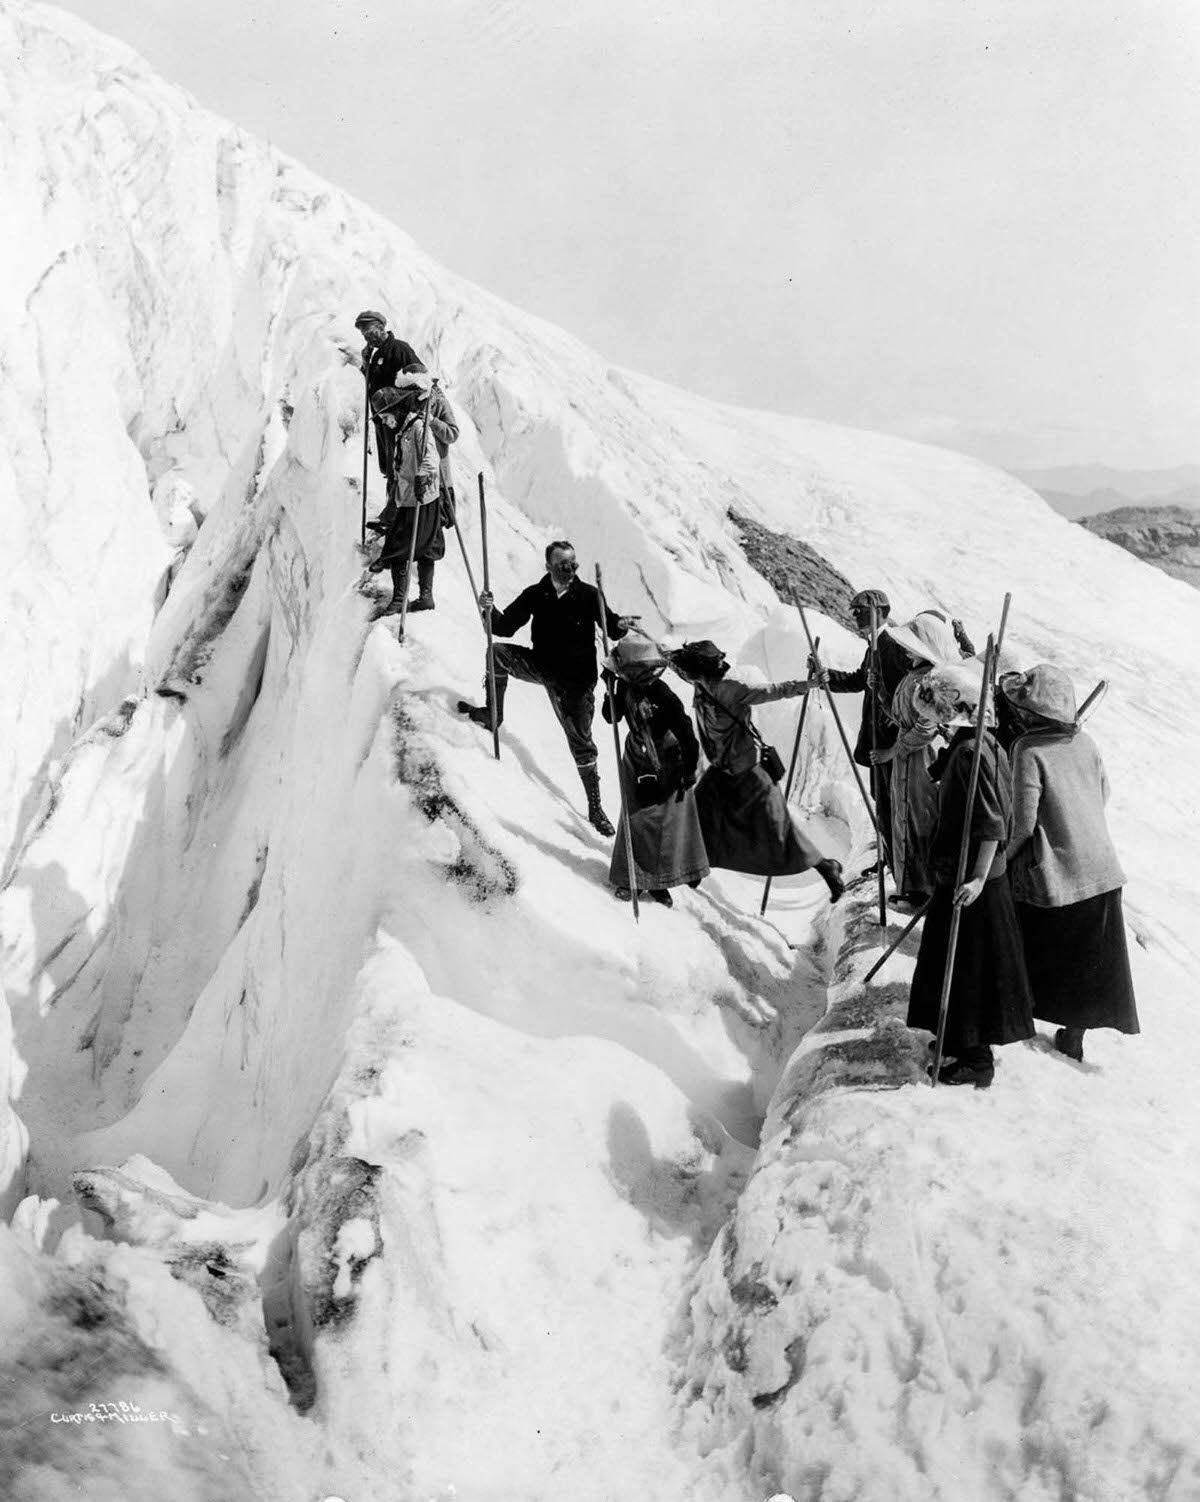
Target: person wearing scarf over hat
[658, 768]
[990, 999]
[743, 817]
[1065, 874]
[419, 495]
[384, 357]
[894, 663]
[926, 641]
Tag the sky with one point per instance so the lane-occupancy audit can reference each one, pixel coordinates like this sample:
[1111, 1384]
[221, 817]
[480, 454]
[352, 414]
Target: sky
[974, 224]
[300, 938]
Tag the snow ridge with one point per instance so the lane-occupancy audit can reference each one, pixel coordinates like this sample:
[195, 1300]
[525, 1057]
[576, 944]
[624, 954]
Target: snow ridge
[330, 1053]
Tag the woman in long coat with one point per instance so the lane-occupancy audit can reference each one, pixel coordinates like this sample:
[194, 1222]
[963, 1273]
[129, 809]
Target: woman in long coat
[658, 770]
[743, 816]
[990, 1000]
[929, 641]
[1066, 877]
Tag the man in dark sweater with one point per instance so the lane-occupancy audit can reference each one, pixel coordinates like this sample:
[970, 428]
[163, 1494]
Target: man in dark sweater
[877, 691]
[383, 359]
[563, 612]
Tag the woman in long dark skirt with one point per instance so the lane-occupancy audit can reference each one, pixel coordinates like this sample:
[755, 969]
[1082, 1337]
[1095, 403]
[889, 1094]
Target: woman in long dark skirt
[1066, 877]
[745, 821]
[990, 1001]
[658, 769]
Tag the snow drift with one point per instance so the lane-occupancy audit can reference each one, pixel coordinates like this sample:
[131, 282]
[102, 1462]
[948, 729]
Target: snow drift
[353, 1126]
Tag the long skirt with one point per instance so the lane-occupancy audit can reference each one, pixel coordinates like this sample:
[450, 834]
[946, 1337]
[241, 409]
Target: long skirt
[668, 848]
[914, 814]
[990, 997]
[430, 540]
[747, 827]
[1078, 963]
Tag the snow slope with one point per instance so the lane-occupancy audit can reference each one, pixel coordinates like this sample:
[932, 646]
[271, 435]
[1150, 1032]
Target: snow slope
[319, 1007]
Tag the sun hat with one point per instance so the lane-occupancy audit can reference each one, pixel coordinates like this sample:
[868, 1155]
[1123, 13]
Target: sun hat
[634, 652]
[1044, 690]
[699, 657]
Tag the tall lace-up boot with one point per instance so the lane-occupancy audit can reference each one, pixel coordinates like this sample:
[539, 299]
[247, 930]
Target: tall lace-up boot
[597, 818]
[424, 600]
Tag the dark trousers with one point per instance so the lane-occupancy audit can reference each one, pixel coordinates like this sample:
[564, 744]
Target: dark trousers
[385, 445]
[573, 703]
[881, 786]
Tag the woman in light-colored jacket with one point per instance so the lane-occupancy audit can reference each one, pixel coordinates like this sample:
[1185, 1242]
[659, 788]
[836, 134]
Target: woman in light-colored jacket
[1066, 877]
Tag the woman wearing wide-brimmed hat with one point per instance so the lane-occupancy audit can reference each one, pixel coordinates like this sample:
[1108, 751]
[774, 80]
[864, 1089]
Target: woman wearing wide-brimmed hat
[658, 770]
[990, 1001]
[927, 640]
[745, 821]
[1065, 874]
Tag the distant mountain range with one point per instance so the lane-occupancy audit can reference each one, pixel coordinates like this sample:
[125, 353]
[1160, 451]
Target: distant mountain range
[1152, 513]
[1079, 490]
[1167, 536]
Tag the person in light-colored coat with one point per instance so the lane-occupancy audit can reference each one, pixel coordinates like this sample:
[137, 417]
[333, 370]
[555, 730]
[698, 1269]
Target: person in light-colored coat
[1066, 877]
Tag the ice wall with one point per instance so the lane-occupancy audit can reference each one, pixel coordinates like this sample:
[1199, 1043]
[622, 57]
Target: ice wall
[477, 1156]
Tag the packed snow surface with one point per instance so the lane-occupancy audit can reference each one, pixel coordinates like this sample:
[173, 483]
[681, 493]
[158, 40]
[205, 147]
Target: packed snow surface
[359, 1143]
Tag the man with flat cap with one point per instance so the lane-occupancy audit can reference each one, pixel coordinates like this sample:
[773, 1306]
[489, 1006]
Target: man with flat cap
[384, 358]
[877, 691]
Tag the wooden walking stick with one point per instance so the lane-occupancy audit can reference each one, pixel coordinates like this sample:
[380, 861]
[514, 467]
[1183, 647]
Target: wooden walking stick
[467, 564]
[612, 710]
[487, 625]
[896, 943]
[877, 773]
[362, 527]
[1000, 633]
[1091, 701]
[837, 719]
[787, 787]
[964, 846]
[412, 544]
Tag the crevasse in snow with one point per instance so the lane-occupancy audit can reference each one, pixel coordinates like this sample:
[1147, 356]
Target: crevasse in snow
[390, 1156]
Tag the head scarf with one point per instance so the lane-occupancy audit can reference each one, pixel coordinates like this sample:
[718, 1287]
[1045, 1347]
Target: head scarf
[928, 638]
